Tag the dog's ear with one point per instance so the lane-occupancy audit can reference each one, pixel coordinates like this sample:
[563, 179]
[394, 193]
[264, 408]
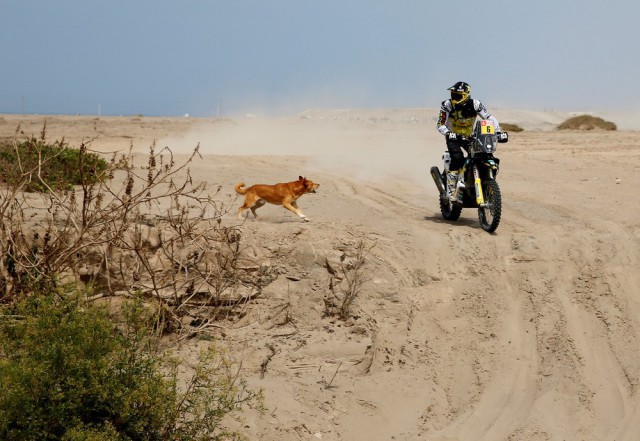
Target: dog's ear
[300, 178]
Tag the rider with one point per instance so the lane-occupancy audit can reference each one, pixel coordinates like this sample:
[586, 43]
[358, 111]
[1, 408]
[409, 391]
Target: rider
[455, 122]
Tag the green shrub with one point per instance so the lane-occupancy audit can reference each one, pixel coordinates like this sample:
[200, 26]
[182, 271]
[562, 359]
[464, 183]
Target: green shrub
[47, 166]
[68, 373]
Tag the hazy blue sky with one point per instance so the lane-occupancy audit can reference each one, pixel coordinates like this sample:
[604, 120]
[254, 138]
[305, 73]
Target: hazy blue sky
[209, 57]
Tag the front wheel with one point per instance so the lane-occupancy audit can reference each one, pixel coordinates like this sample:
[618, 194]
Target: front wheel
[489, 215]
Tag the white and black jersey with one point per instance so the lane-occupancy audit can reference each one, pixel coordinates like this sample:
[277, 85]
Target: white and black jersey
[461, 118]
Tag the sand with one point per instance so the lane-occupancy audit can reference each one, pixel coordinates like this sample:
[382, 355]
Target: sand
[531, 333]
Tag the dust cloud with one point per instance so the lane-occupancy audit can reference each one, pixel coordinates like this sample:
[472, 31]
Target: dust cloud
[360, 144]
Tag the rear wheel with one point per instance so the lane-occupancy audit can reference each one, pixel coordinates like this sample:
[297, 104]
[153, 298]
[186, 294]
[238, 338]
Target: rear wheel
[489, 215]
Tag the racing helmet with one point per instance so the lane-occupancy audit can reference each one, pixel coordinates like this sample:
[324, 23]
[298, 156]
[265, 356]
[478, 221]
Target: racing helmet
[459, 93]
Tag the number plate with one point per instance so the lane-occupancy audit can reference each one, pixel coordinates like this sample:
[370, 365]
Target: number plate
[487, 127]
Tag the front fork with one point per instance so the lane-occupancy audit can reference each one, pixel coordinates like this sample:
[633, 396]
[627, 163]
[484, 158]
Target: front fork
[478, 187]
[476, 181]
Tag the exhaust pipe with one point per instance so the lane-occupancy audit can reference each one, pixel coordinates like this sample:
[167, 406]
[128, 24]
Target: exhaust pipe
[437, 178]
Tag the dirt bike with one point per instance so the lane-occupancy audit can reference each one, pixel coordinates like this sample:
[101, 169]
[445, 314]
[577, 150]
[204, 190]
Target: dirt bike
[480, 169]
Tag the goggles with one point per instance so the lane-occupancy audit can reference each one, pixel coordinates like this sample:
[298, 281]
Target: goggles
[458, 96]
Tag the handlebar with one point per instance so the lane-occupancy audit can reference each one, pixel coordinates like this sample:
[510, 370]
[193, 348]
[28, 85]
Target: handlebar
[502, 137]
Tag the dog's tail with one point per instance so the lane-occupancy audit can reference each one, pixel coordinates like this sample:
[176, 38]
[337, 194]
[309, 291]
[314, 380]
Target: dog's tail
[239, 188]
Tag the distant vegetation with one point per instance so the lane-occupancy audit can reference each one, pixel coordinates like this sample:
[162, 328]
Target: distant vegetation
[586, 122]
[511, 127]
[48, 166]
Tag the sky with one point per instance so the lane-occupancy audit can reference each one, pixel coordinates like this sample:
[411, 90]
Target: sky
[229, 57]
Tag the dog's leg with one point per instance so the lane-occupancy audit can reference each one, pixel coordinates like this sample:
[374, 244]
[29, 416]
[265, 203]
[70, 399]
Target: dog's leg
[294, 204]
[248, 204]
[290, 206]
[259, 203]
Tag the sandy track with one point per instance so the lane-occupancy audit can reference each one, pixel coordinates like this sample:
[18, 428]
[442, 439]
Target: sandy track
[525, 334]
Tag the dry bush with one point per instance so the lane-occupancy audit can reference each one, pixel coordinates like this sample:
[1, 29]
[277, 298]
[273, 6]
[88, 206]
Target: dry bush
[139, 229]
[508, 127]
[586, 122]
[346, 281]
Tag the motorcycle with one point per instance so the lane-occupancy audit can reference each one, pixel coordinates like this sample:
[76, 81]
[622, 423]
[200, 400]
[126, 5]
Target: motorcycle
[481, 190]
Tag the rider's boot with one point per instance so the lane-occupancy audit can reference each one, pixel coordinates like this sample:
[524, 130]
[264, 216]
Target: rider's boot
[460, 186]
[452, 179]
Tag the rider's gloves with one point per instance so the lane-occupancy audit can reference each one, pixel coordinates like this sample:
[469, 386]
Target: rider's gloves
[503, 137]
[452, 136]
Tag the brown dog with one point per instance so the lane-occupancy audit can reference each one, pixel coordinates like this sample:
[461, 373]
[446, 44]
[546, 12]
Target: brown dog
[284, 194]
